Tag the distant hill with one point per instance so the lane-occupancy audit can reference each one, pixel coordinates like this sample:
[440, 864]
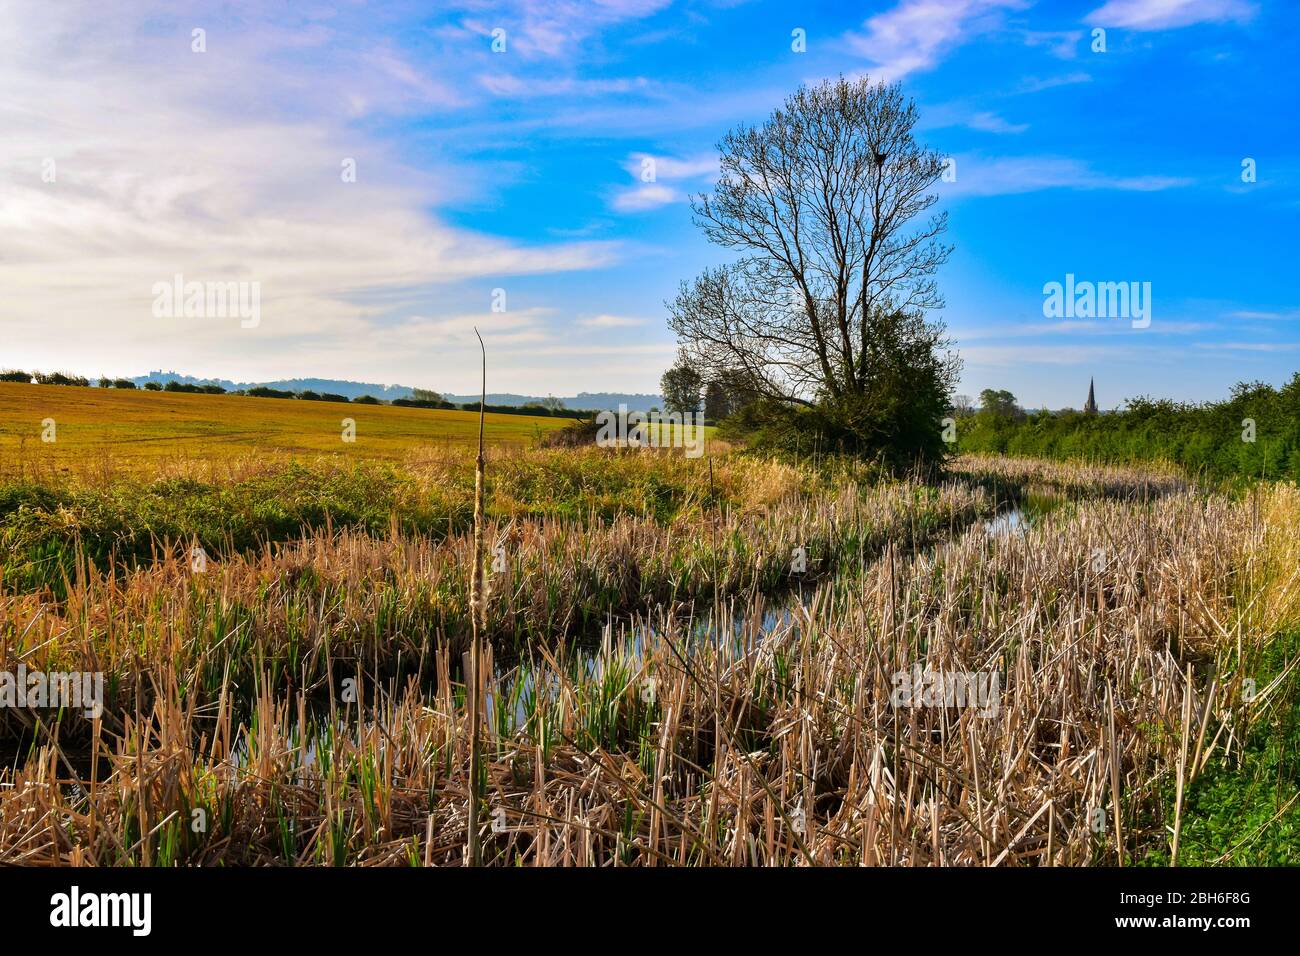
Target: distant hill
[637, 401]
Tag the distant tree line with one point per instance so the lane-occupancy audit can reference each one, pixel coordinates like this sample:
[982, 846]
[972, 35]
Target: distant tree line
[44, 378]
[420, 398]
[686, 391]
[1254, 433]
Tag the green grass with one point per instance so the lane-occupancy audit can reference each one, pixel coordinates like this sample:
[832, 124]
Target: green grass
[1247, 812]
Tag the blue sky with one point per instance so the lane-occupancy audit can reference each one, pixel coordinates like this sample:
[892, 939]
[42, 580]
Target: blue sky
[520, 170]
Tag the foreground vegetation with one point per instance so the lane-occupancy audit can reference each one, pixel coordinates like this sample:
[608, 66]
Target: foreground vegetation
[669, 682]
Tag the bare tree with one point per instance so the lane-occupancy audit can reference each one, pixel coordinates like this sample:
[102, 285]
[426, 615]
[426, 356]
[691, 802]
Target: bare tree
[823, 201]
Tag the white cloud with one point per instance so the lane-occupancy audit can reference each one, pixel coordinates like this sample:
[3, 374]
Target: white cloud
[609, 322]
[1251, 346]
[1167, 14]
[555, 28]
[1034, 84]
[672, 167]
[612, 348]
[992, 123]
[515, 326]
[223, 166]
[980, 176]
[519, 87]
[1061, 43]
[645, 196]
[1269, 315]
[916, 34]
[656, 175]
[1101, 327]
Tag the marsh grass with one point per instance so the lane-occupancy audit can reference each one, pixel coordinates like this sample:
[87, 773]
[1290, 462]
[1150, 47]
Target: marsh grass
[709, 732]
[288, 612]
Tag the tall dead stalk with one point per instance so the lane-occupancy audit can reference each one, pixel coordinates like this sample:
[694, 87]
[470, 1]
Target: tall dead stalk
[478, 605]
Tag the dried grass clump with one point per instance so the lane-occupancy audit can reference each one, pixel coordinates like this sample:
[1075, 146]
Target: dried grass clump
[1145, 482]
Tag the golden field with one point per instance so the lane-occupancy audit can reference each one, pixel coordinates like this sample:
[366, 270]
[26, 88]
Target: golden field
[146, 427]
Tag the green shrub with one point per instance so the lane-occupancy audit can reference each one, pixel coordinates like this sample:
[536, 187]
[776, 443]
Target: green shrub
[1209, 439]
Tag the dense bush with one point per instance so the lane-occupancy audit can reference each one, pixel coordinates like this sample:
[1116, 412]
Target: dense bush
[175, 386]
[581, 433]
[14, 375]
[1211, 439]
[307, 395]
[61, 378]
[422, 403]
[539, 410]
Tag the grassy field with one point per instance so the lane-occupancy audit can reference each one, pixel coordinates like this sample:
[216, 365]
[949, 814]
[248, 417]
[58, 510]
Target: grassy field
[690, 661]
[144, 428]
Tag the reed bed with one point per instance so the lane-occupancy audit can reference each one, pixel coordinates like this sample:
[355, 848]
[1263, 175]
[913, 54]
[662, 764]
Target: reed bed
[1125, 631]
[292, 613]
[1076, 478]
[119, 521]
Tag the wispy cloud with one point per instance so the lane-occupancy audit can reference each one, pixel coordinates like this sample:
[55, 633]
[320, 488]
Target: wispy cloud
[1061, 43]
[1250, 346]
[645, 196]
[169, 161]
[916, 34]
[516, 327]
[553, 28]
[522, 87]
[1167, 14]
[1090, 328]
[992, 123]
[1269, 315]
[1035, 84]
[660, 180]
[609, 322]
[981, 176]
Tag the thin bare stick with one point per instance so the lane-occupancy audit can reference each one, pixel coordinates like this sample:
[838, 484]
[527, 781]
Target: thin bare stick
[478, 604]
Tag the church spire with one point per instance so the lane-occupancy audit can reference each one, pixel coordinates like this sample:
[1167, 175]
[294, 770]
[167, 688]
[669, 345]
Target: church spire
[1090, 408]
